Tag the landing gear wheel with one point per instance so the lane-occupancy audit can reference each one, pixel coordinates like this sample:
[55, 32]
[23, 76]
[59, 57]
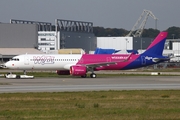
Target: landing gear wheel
[84, 76]
[18, 77]
[24, 72]
[93, 75]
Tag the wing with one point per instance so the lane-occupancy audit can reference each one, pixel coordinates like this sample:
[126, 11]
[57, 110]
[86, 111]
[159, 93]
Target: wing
[94, 65]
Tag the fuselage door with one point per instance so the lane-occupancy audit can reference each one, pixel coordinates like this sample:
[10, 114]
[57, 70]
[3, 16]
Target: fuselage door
[108, 59]
[26, 60]
[143, 60]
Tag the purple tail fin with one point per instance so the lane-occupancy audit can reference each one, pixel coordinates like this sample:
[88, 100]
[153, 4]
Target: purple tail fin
[157, 46]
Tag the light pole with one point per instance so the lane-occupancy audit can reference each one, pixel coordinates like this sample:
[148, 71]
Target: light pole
[126, 44]
[90, 43]
[173, 36]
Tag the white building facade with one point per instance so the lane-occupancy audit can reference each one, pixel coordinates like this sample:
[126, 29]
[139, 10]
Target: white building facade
[118, 43]
[48, 40]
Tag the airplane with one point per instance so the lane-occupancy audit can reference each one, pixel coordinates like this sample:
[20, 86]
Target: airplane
[81, 64]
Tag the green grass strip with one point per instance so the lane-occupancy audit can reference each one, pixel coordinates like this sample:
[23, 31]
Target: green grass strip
[102, 105]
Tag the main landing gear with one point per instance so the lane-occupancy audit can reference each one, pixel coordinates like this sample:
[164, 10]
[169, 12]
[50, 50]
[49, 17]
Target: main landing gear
[92, 75]
[24, 71]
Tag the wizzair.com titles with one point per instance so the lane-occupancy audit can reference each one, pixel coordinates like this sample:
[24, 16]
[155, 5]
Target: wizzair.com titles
[119, 57]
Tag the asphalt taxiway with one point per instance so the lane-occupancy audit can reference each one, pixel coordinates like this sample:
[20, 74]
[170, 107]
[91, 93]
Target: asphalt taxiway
[89, 84]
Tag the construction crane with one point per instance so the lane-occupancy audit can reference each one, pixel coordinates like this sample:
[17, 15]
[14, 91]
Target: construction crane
[138, 32]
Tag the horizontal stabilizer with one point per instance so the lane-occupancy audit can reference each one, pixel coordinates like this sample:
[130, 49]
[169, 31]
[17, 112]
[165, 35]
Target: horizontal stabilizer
[160, 59]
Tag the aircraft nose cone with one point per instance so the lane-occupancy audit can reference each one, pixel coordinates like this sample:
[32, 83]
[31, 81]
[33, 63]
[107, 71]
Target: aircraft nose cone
[7, 65]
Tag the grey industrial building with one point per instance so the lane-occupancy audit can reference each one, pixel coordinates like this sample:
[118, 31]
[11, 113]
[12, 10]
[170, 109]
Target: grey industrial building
[24, 34]
[18, 35]
[76, 34]
[141, 43]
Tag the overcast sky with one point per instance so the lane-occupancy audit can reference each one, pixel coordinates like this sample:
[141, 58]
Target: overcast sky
[103, 13]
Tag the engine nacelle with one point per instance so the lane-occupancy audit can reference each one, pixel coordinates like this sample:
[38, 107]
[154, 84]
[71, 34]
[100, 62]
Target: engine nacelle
[78, 70]
[63, 72]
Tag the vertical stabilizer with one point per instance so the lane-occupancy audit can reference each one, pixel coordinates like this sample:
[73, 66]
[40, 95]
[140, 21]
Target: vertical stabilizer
[157, 46]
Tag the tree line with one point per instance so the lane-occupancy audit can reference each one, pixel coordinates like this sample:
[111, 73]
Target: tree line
[173, 32]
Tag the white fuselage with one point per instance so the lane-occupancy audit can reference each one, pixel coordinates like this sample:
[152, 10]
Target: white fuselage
[43, 61]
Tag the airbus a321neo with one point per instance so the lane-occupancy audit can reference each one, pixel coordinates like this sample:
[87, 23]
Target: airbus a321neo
[79, 65]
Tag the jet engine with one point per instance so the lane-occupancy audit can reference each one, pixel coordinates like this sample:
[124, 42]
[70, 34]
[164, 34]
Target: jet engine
[78, 70]
[63, 72]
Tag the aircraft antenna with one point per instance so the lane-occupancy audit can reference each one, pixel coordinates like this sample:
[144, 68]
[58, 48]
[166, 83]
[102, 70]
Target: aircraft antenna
[138, 32]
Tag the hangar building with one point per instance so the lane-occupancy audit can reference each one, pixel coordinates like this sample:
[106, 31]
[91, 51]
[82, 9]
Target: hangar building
[44, 36]
[18, 35]
[67, 34]
[123, 43]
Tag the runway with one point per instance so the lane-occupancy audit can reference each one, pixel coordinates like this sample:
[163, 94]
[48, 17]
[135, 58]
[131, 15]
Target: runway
[89, 84]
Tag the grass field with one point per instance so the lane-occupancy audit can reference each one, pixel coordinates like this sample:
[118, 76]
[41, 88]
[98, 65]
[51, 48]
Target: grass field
[102, 105]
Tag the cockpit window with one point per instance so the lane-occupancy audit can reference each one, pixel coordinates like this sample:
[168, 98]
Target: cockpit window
[14, 59]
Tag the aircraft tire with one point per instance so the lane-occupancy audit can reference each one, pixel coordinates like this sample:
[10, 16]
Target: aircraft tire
[18, 76]
[93, 75]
